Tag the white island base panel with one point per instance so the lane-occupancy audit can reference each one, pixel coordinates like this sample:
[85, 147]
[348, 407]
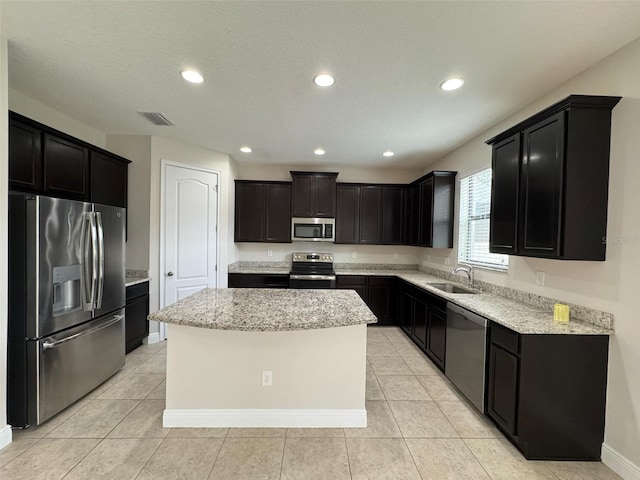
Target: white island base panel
[214, 378]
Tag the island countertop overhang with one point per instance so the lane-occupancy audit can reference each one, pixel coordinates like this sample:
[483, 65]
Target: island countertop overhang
[257, 309]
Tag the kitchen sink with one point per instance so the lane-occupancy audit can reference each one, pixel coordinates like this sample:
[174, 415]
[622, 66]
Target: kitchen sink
[451, 288]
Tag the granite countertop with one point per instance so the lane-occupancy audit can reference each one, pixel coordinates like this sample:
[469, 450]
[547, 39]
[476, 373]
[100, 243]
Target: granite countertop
[517, 316]
[130, 281]
[257, 309]
[262, 270]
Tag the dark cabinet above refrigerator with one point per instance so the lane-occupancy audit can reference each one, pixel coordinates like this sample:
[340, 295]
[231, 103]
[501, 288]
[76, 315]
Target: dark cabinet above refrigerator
[45, 161]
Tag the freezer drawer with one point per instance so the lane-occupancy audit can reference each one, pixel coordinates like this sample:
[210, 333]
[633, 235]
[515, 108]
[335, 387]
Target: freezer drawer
[73, 363]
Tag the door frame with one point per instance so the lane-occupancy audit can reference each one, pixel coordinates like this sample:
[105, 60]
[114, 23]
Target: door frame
[161, 276]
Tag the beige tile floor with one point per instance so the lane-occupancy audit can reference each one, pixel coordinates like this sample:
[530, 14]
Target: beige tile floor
[419, 428]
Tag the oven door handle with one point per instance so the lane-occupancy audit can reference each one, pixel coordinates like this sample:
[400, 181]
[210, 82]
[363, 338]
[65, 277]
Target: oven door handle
[312, 277]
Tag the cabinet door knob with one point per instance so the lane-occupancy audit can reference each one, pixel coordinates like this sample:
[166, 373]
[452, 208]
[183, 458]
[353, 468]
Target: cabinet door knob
[169, 274]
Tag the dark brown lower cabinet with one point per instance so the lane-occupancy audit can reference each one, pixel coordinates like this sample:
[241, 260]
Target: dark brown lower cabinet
[547, 392]
[136, 312]
[423, 318]
[379, 293]
[251, 280]
[437, 337]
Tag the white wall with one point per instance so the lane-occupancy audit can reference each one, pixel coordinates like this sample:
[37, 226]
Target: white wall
[256, 171]
[136, 148]
[38, 111]
[4, 267]
[343, 253]
[164, 149]
[611, 285]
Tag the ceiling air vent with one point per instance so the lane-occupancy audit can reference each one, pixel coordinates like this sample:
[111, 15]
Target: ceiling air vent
[157, 118]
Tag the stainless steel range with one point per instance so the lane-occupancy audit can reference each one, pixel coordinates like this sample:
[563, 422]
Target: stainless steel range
[312, 270]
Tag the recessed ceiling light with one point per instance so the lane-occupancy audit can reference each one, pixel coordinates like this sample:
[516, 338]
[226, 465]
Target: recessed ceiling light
[452, 84]
[192, 76]
[245, 149]
[324, 80]
[319, 151]
[388, 153]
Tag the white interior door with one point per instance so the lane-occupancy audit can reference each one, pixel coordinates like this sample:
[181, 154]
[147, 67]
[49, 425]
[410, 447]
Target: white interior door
[190, 231]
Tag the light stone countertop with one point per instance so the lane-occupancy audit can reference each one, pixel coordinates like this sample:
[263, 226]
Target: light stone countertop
[262, 270]
[262, 309]
[518, 316]
[130, 281]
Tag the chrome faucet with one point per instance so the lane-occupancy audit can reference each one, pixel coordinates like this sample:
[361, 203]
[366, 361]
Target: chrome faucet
[468, 269]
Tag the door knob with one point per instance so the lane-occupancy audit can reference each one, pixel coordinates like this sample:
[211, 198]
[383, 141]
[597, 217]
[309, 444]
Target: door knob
[169, 274]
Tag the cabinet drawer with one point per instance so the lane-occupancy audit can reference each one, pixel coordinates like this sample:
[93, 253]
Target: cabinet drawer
[351, 281]
[381, 281]
[138, 290]
[507, 339]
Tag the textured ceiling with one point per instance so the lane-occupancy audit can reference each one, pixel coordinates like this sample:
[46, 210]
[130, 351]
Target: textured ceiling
[101, 62]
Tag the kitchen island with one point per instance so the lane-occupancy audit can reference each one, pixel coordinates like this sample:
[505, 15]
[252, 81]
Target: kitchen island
[225, 344]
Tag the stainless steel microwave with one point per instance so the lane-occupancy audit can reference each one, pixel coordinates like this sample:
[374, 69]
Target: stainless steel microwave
[313, 229]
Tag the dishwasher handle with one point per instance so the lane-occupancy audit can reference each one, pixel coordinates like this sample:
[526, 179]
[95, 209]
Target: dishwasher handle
[467, 314]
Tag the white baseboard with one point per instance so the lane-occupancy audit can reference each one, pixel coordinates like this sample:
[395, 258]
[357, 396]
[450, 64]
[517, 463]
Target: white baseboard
[5, 436]
[619, 463]
[152, 338]
[264, 418]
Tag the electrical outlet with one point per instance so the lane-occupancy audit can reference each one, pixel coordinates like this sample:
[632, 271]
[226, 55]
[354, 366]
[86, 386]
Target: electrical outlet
[354, 255]
[396, 256]
[447, 261]
[428, 258]
[269, 253]
[267, 378]
[540, 277]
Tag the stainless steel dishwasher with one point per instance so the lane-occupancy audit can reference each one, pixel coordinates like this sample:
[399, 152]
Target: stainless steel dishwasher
[466, 353]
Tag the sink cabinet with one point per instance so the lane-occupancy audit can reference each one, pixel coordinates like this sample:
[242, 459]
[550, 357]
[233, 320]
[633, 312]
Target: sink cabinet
[423, 317]
[547, 393]
[550, 182]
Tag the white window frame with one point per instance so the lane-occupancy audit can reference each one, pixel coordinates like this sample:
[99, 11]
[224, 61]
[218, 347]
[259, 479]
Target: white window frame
[491, 261]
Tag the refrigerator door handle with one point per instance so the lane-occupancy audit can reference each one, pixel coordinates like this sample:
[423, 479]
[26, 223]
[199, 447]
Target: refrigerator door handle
[49, 345]
[87, 263]
[100, 233]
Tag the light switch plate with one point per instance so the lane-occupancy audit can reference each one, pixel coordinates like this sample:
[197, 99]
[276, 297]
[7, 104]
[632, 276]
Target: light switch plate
[540, 277]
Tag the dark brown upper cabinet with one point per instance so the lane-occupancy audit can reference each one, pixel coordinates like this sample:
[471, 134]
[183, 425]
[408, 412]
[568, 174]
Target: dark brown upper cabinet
[25, 157]
[66, 168]
[550, 182]
[369, 214]
[45, 161]
[262, 211]
[429, 209]
[347, 213]
[393, 214]
[108, 180]
[313, 194]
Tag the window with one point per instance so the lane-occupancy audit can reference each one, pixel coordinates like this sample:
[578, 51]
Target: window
[473, 235]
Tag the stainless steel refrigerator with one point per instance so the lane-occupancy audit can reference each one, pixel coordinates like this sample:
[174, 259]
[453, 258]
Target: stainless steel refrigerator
[66, 303]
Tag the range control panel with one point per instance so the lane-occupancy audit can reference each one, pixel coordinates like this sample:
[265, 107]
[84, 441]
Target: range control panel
[313, 257]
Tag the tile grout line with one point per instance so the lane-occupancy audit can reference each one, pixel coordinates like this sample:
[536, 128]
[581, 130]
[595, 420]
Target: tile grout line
[85, 456]
[224, 439]
[284, 446]
[150, 456]
[346, 447]
[464, 440]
